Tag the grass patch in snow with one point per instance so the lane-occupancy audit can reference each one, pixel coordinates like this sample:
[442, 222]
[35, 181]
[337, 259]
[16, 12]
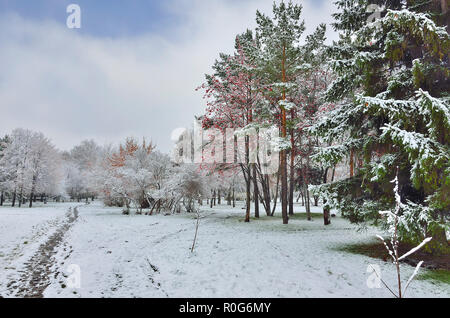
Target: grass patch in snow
[440, 275]
[436, 267]
[302, 216]
[277, 216]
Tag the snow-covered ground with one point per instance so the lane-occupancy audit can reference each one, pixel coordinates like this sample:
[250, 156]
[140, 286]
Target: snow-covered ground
[149, 256]
[22, 231]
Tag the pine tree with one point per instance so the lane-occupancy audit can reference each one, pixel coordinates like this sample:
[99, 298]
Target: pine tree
[314, 77]
[234, 97]
[393, 86]
[279, 37]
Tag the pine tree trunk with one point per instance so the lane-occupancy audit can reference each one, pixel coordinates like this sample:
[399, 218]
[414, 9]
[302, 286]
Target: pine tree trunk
[247, 200]
[291, 177]
[276, 195]
[234, 199]
[283, 163]
[326, 208]
[308, 203]
[326, 215]
[266, 192]
[2, 198]
[291, 186]
[352, 164]
[255, 191]
[218, 196]
[444, 7]
[307, 199]
[247, 179]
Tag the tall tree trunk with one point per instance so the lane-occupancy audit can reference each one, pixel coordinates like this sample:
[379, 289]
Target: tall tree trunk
[20, 197]
[247, 175]
[292, 174]
[2, 198]
[247, 200]
[326, 208]
[218, 196]
[305, 188]
[444, 7]
[308, 203]
[291, 186]
[276, 194]
[31, 198]
[33, 187]
[211, 201]
[266, 192]
[352, 163]
[255, 191]
[283, 163]
[326, 215]
[234, 199]
[14, 197]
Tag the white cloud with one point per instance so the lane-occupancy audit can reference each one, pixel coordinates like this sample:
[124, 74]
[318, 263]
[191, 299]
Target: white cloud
[73, 86]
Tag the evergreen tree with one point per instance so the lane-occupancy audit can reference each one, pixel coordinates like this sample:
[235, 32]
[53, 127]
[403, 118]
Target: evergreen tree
[393, 85]
[279, 41]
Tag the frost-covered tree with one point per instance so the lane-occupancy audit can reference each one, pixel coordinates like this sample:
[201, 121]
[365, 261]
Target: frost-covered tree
[44, 167]
[393, 86]
[82, 162]
[30, 165]
[14, 164]
[4, 143]
[235, 99]
[74, 183]
[122, 175]
[313, 79]
[188, 185]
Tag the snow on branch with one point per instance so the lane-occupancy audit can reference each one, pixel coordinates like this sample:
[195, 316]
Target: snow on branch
[415, 249]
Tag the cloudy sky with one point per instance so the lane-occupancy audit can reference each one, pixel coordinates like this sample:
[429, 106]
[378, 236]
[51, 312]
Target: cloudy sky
[131, 70]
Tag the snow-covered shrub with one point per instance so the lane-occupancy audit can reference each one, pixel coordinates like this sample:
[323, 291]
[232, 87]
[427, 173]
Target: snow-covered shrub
[396, 220]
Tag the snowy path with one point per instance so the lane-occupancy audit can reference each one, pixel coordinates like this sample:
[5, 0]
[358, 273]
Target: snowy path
[36, 276]
[149, 256]
[24, 233]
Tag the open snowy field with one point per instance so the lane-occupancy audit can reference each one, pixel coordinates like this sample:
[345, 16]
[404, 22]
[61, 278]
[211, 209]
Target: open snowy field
[149, 256]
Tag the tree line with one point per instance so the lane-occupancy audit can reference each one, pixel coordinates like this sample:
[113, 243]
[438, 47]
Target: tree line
[376, 100]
